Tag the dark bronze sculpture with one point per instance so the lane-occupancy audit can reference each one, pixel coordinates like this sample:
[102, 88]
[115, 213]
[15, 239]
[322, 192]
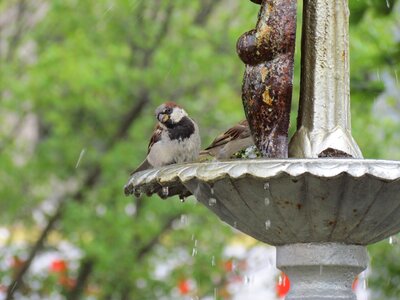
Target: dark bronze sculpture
[268, 52]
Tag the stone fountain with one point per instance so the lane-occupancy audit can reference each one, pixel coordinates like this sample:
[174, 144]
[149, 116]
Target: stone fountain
[319, 212]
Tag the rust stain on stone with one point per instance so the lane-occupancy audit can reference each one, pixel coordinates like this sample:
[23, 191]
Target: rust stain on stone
[268, 51]
[264, 73]
[267, 98]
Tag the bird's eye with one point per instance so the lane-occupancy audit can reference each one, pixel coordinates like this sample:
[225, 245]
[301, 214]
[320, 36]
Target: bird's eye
[168, 110]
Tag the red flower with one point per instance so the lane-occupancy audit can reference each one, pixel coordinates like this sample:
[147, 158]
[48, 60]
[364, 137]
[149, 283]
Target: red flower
[283, 285]
[184, 287]
[355, 284]
[228, 266]
[58, 266]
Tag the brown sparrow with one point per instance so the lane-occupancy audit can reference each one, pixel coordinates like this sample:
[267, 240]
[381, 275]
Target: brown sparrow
[235, 139]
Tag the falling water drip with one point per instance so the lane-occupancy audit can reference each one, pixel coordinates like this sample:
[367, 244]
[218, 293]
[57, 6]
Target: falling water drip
[391, 240]
[212, 201]
[235, 224]
[387, 3]
[130, 209]
[213, 261]
[365, 284]
[267, 224]
[267, 201]
[165, 191]
[266, 186]
[195, 243]
[378, 74]
[108, 9]
[183, 219]
[80, 158]
[194, 251]
[101, 210]
[212, 190]
[192, 237]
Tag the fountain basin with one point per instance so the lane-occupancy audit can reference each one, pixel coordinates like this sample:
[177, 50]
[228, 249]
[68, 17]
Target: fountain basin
[280, 202]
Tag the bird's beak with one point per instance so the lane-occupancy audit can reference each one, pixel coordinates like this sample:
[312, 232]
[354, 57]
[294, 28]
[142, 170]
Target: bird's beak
[163, 118]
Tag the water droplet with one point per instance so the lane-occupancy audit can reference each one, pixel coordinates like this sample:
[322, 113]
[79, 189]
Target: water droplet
[267, 201]
[192, 237]
[365, 284]
[387, 3]
[378, 74]
[235, 224]
[212, 191]
[101, 210]
[80, 158]
[213, 261]
[183, 219]
[165, 191]
[280, 280]
[267, 224]
[130, 209]
[266, 186]
[108, 9]
[391, 240]
[194, 252]
[183, 199]
[212, 201]
[195, 243]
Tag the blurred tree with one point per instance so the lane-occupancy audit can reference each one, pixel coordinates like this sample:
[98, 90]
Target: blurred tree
[79, 81]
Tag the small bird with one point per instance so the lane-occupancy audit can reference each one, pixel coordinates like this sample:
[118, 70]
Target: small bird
[175, 139]
[235, 139]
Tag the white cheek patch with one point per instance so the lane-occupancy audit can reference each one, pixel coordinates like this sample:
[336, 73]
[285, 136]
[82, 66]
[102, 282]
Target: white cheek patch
[177, 114]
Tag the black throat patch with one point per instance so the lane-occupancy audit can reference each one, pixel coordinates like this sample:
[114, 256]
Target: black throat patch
[181, 130]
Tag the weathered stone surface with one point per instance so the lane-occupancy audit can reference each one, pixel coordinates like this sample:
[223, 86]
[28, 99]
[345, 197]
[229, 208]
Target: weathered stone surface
[347, 201]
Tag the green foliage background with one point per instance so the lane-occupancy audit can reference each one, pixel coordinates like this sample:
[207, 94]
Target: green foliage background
[91, 74]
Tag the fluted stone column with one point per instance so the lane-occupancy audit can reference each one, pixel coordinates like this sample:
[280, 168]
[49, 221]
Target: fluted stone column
[324, 111]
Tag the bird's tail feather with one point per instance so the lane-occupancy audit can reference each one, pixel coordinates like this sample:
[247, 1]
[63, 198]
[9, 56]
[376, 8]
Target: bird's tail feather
[143, 166]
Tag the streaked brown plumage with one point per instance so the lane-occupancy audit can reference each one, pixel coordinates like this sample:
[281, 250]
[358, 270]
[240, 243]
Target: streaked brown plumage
[230, 142]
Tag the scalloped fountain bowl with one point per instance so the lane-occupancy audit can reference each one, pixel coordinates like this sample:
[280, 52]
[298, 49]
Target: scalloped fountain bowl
[320, 213]
[281, 202]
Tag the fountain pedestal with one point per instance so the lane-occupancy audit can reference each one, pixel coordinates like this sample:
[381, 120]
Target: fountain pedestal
[321, 271]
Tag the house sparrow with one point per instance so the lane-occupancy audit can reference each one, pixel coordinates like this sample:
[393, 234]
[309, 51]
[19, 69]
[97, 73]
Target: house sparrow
[175, 139]
[235, 139]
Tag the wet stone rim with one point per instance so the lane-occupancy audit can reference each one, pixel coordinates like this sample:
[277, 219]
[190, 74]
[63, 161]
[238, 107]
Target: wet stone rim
[174, 176]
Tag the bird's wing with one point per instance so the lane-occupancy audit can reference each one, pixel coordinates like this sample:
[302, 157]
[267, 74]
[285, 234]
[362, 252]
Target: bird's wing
[155, 137]
[239, 131]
